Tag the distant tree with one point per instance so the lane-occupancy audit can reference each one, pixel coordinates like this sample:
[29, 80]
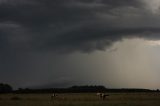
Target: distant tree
[88, 88]
[5, 88]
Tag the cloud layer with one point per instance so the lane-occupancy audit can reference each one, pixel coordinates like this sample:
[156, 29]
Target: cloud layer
[83, 25]
[33, 32]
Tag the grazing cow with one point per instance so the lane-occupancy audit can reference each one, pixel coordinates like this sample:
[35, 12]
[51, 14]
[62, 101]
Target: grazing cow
[53, 95]
[102, 95]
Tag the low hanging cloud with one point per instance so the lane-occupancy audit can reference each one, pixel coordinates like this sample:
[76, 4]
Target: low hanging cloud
[75, 25]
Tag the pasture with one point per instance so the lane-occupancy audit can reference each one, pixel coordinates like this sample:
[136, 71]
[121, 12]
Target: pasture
[81, 99]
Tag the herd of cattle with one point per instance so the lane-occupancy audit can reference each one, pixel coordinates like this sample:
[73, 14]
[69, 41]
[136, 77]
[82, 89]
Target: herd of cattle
[102, 96]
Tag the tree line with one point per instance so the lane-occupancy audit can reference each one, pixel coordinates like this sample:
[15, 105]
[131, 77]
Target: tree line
[6, 88]
[83, 89]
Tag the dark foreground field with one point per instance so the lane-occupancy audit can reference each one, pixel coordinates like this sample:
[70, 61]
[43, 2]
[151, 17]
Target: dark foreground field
[80, 99]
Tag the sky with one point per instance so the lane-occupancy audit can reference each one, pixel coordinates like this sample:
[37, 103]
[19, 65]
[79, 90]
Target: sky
[60, 43]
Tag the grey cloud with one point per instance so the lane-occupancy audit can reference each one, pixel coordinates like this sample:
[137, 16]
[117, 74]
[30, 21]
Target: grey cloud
[71, 25]
[33, 31]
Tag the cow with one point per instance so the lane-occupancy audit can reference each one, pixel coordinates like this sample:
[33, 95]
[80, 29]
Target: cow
[102, 95]
[53, 96]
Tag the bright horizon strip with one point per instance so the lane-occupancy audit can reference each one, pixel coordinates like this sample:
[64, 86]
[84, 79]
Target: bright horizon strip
[154, 43]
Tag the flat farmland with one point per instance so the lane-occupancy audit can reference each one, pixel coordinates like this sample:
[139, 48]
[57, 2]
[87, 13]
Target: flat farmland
[81, 99]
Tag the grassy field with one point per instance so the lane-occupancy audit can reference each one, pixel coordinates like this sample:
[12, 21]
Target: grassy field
[80, 99]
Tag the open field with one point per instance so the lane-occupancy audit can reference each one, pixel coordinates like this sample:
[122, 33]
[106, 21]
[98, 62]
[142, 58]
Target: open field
[81, 99]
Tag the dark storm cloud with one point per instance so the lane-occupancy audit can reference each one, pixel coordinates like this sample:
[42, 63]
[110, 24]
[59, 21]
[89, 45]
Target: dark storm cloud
[69, 25]
[33, 31]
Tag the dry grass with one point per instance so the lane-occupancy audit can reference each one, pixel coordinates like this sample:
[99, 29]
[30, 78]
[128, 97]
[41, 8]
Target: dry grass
[115, 99]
